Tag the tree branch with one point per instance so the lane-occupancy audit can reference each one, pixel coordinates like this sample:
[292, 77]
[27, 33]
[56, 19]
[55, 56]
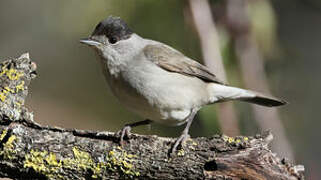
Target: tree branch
[31, 151]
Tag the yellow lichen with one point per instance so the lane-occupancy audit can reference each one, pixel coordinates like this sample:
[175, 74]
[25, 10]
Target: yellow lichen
[43, 162]
[20, 86]
[111, 153]
[181, 152]
[52, 160]
[130, 156]
[7, 89]
[3, 134]
[46, 163]
[8, 150]
[83, 159]
[13, 74]
[97, 169]
[4, 93]
[10, 141]
[35, 159]
[18, 104]
[230, 139]
[191, 143]
[3, 96]
[119, 159]
[236, 140]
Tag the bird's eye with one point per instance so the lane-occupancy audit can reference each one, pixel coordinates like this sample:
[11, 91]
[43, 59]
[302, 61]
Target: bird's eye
[112, 40]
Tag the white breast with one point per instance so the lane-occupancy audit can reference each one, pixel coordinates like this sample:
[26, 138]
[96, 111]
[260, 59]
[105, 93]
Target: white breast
[157, 94]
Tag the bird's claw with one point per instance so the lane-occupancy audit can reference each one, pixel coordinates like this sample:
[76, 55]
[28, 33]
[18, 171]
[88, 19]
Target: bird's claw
[179, 141]
[125, 132]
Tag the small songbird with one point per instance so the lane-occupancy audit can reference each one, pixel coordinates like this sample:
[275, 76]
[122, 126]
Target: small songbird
[158, 82]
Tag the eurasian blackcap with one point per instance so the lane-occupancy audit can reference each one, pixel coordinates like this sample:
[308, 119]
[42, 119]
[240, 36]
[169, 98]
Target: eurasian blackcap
[158, 82]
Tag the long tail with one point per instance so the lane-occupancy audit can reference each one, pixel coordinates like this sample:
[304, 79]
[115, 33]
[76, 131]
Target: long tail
[219, 93]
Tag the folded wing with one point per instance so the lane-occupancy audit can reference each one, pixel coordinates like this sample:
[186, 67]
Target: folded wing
[171, 60]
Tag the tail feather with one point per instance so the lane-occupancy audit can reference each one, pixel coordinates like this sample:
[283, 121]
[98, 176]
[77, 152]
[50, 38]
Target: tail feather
[221, 93]
[264, 100]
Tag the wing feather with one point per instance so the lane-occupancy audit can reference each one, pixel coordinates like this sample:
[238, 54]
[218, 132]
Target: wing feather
[174, 61]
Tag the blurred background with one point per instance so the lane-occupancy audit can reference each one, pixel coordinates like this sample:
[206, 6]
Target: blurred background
[265, 45]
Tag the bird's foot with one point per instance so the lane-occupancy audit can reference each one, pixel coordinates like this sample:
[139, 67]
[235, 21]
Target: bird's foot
[179, 141]
[125, 132]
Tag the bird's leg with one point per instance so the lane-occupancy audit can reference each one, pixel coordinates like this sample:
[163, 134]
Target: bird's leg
[126, 129]
[184, 134]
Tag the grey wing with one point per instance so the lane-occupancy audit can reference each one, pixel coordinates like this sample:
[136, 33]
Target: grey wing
[174, 61]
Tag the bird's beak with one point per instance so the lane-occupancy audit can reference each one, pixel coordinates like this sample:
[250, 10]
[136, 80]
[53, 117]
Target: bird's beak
[90, 42]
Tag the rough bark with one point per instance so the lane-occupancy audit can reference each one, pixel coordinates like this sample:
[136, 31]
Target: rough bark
[31, 151]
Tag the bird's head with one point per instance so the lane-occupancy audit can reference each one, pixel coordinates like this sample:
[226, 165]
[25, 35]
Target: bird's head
[112, 38]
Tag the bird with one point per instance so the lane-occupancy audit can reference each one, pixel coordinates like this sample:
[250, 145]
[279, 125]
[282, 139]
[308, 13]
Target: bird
[158, 82]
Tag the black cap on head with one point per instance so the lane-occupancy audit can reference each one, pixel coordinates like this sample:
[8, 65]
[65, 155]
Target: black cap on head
[114, 29]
